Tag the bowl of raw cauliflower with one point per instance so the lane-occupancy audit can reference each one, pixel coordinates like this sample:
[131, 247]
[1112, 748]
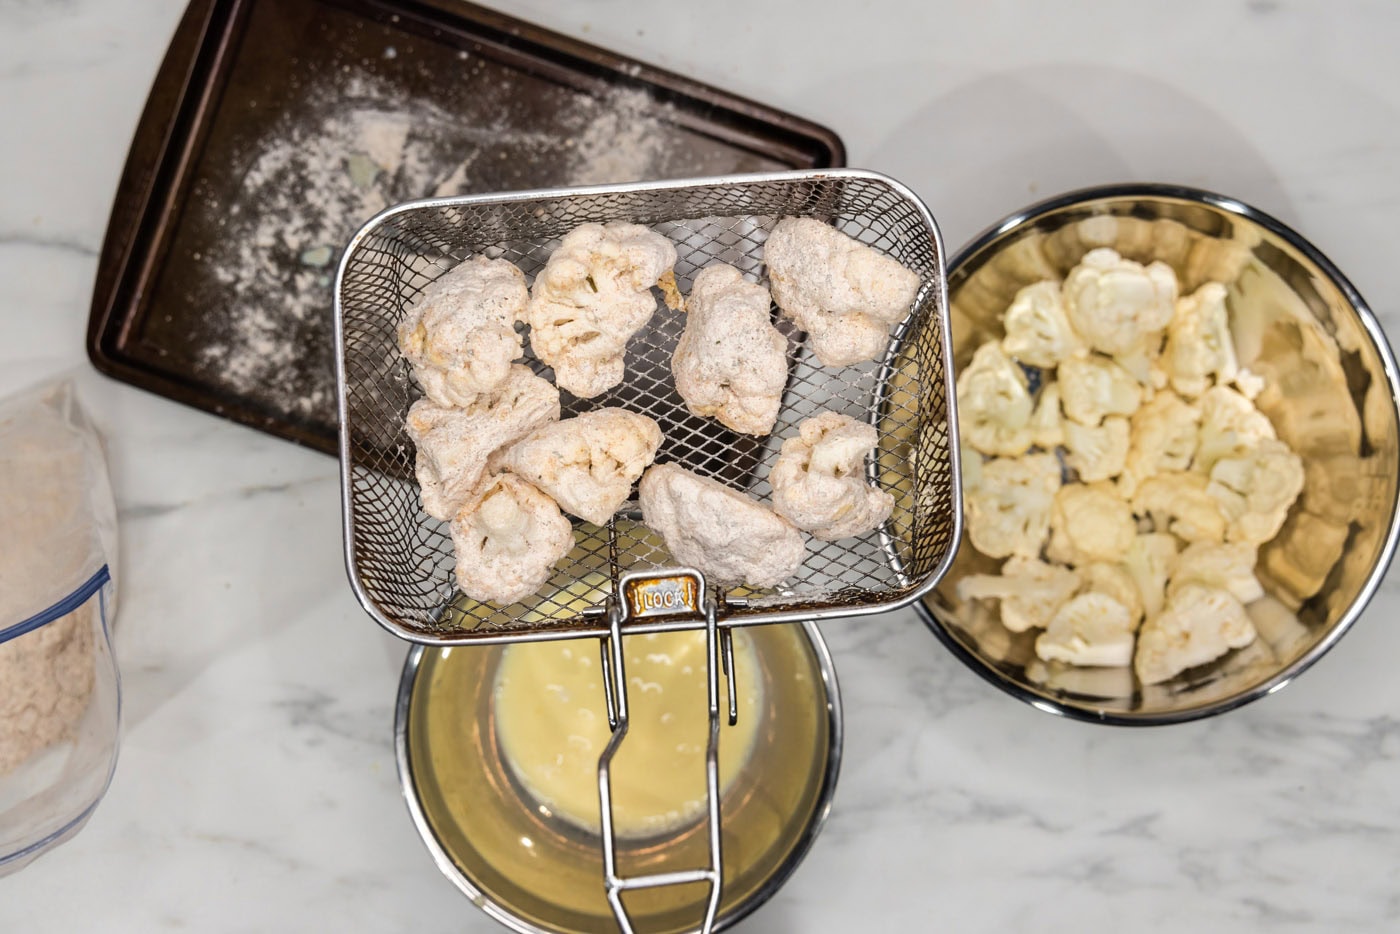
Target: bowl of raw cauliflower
[1178, 437]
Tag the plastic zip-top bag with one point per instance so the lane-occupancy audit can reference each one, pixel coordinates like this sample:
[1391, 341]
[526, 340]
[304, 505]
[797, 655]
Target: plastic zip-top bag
[60, 695]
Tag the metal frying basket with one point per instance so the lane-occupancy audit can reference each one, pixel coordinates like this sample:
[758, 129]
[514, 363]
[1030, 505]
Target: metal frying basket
[401, 561]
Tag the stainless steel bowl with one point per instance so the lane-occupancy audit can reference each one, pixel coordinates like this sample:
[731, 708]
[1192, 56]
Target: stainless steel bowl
[1332, 390]
[539, 875]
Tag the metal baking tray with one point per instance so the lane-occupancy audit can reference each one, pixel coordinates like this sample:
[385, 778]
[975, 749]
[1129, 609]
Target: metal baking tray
[275, 128]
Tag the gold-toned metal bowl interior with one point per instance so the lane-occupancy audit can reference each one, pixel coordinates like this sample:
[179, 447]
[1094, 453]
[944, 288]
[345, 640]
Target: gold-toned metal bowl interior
[1330, 393]
[536, 872]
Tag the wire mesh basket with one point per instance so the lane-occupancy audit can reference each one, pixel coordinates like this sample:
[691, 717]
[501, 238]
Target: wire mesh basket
[401, 561]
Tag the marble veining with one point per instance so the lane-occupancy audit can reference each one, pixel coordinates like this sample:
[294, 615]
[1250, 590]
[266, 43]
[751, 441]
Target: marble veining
[256, 789]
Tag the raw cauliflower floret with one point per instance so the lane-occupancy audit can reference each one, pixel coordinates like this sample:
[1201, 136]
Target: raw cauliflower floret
[588, 463]
[1114, 580]
[1047, 425]
[1119, 306]
[1096, 453]
[1230, 425]
[1030, 591]
[1093, 629]
[1088, 522]
[1037, 331]
[1199, 344]
[1008, 512]
[1093, 387]
[1179, 503]
[819, 480]
[1198, 625]
[508, 538]
[728, 536]
[1255, 490]
[994, 407]
[844, 294]
[1227, 567]
[455, 444]
[459, 335]
[1151, 561]
[1163, 438]
[731, 363]
[592, 296]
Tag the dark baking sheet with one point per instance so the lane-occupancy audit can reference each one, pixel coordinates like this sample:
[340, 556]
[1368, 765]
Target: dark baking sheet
[276, 127]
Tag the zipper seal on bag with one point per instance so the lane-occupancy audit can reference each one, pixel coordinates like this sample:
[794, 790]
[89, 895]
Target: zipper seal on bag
[62, 608]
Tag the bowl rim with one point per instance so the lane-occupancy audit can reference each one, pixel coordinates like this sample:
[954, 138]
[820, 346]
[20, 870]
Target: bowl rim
[835, 719]
[1231, 206]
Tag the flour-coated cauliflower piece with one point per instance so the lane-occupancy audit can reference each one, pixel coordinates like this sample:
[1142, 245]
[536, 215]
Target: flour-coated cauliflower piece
[1096, 453]
[819, 480]
[844, 294]
[994, 407]
[1093, 629]
[588, 463]
[728, 536]
[1151, 561]
[454, 444]
[1199, 344]
[1047, 423]
[1030, 591]
[1230, 425]
[1198, 625]
[1255, 489]
[459, 335]
[1222, 566]
[1179, 503]
[593, 294]
[508, 538]
[1114, 580]
[1008, 513]
[1163, 435]
[971, 463]
[731, 363]
[1037, 331]
[1093, 387]
[1119, 306]
[1088, 522]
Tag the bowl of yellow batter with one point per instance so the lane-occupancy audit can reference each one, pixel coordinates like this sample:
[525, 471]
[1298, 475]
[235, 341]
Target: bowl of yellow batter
[498, 749]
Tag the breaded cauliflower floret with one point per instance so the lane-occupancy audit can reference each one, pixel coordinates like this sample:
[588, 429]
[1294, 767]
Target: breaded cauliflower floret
[1224, 567]
[1198, 625]
[1008, 512]
[1089, 523]
[728, 536]
[459, 335]
[1178, 503]
[994, 408]
[1092, 629]
[454, 444]
[1030, 591]
[1199, 344]
[731, 363]
[1096, 453]
[1118, 306]
[844, 294]
[1230, 425]
[1037, 331]
[1150, 561]
[592, 296]
[1114, 580]
[588, 463]
[971, 463]
[1255, 490]
[1163, 437]
[1093, 387]
[1047, 424]
[819, 480]
[508, 538]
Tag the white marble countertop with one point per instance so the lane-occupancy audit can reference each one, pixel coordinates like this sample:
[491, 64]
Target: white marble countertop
[256, 789]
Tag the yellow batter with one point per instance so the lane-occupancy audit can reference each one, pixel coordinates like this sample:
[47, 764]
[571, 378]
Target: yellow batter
[552, 724]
